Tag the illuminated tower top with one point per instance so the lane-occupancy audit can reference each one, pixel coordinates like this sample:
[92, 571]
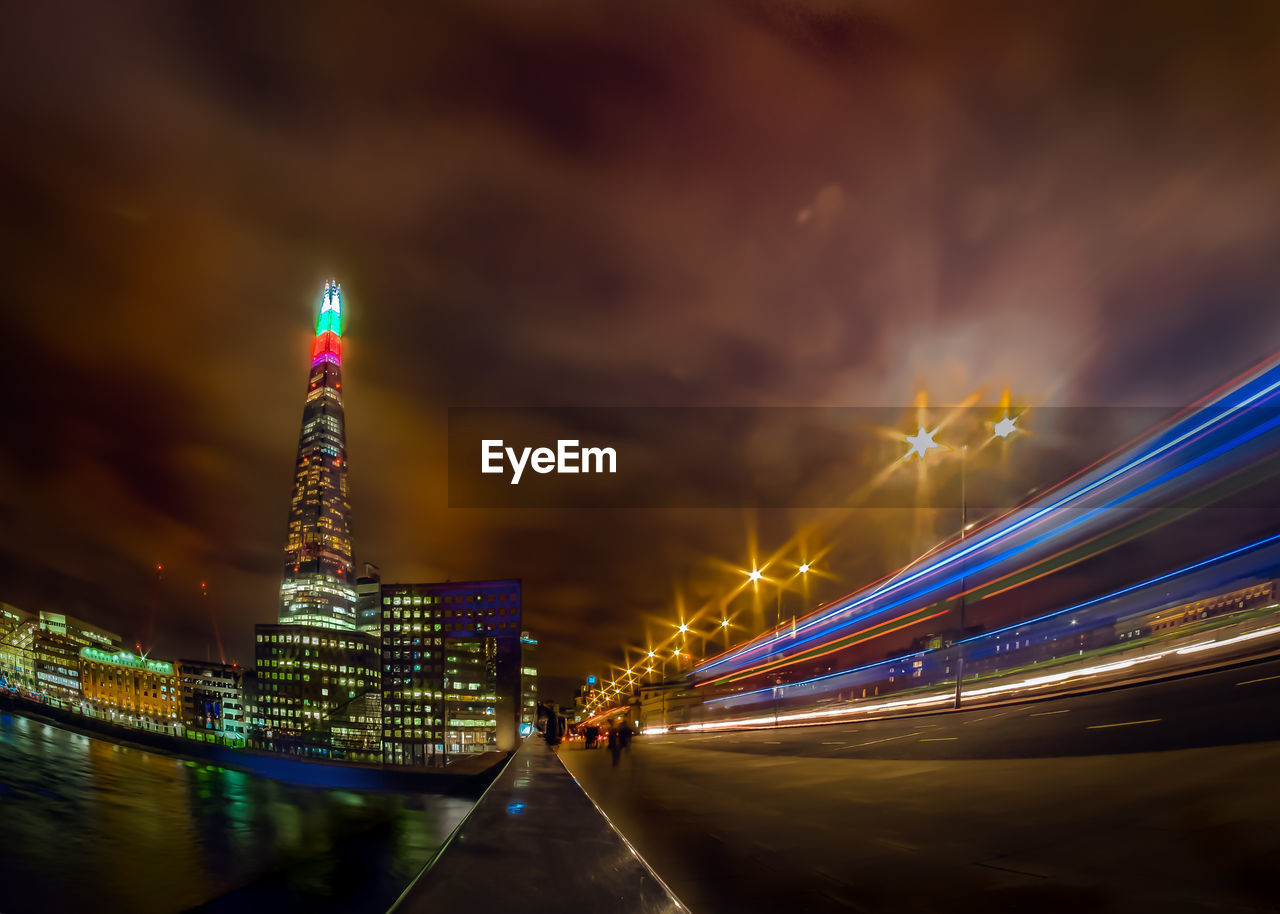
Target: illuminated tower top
[318, 585]
[328, 344]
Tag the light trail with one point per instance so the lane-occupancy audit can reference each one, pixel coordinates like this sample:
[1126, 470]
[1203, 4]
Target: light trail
[1251, 393]
[1075, 607]
[844, 714]
[895, 584]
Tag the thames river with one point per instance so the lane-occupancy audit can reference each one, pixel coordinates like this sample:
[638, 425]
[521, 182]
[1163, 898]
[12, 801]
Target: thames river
[86, 825]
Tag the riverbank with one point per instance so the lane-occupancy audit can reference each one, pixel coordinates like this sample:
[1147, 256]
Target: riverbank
[465, 777]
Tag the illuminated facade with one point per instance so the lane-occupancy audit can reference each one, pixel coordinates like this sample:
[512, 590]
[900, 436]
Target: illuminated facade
[451, 681]
[42, 654]
[316, 692]
[57, 666]
[318, 586]
[211, 697]
[369, 600]
[79, 631]
[18, 631]
[124, 685]
[528, 684]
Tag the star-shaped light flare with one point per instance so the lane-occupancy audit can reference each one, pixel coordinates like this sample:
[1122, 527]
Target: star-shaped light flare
[1005, 427]
[921, 443]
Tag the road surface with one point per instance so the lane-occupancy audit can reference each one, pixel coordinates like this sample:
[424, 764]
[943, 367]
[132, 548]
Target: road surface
[1162, 796]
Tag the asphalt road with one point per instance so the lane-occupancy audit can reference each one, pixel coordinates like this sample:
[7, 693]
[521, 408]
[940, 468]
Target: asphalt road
[1161, 797]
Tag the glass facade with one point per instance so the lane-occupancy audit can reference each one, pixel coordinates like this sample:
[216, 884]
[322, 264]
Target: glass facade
[369, 600]
[18, 631]
[318, 585]
[450, 670]
[528, 684]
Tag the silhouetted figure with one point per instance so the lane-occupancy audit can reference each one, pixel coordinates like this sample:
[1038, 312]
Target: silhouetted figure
[615, 743]
[554, 731]
[592, 734]
[625, 732]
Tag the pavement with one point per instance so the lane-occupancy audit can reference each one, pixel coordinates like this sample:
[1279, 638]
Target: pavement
[1163, 796]
[535, 843]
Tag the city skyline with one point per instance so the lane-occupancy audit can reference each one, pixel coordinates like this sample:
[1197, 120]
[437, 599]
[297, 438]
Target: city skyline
[165, 287]
[817, 455]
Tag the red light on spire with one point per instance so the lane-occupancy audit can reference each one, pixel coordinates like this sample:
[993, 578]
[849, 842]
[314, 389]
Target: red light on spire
[327, 347]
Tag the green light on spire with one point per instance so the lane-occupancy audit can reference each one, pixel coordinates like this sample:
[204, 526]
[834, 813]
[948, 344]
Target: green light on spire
[330, 310]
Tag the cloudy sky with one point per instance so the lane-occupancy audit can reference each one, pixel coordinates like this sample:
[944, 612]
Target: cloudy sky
[583, 204]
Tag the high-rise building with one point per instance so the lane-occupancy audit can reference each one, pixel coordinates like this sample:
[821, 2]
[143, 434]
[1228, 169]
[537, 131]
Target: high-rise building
[318, 587]
[369, 600]
[451, 680]
[316, 692]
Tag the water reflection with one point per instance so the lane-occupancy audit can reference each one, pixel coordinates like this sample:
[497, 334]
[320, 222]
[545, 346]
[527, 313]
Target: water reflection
[89, 825]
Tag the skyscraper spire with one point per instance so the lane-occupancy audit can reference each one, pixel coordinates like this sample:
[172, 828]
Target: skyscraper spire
[318, 587]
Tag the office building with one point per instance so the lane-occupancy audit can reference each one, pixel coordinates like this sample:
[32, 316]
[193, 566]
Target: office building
[18, 630]
[78, 631]
[316, 692]
[211, 699]
[451, 681]
[369, 600]
[528, 684]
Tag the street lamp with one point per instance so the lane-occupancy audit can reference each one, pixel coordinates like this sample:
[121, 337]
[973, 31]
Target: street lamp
[964, 529]
[919, 445]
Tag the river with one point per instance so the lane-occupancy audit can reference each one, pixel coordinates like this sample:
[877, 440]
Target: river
[87, 825]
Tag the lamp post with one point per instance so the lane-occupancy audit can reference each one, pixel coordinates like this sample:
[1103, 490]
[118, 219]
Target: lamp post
[919, 446]
[964, 525]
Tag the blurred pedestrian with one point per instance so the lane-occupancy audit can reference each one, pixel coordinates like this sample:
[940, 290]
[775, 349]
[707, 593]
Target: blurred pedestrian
[615, 743]
[554, 731]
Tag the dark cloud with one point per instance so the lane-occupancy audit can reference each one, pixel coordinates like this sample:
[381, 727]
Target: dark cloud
[738, 204]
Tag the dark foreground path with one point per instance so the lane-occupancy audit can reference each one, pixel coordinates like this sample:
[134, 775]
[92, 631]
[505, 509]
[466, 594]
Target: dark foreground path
[1164, 797]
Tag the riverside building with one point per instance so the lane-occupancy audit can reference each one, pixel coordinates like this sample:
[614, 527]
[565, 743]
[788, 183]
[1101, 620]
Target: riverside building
[451, 680]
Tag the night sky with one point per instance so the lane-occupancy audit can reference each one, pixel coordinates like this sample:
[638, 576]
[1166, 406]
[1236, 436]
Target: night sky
[583, 204]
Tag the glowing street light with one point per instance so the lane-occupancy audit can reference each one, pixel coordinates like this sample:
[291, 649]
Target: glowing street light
[921, 443]
[724, 623]
[754, 575]
[804, 568]
[682, 628]
[1005, 427]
